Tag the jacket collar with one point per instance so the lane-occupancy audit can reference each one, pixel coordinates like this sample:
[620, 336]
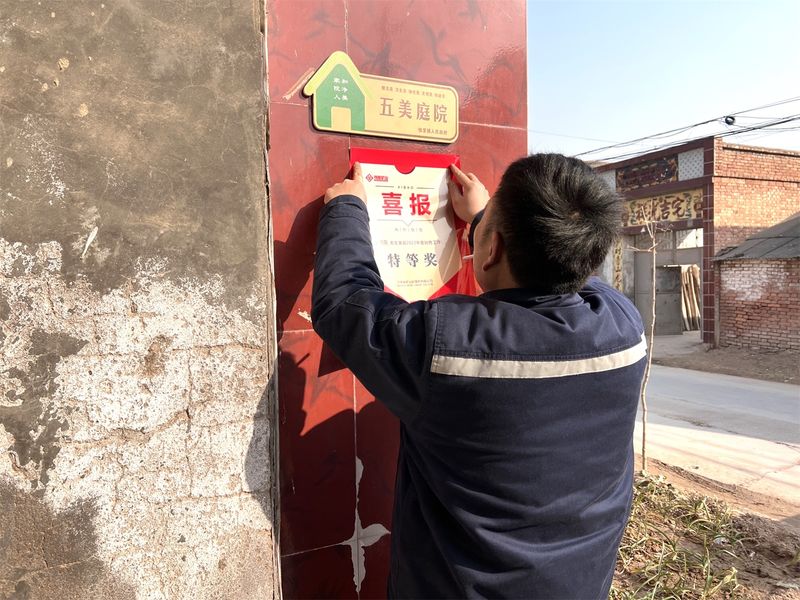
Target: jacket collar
[532, 297]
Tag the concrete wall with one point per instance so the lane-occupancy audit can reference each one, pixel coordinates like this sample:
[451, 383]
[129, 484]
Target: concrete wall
[137, 336]
[759, 304]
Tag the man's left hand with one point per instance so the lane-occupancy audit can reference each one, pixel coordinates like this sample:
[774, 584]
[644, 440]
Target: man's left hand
[352, 187]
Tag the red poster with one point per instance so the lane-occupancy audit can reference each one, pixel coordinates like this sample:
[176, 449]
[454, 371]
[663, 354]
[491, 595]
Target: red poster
[417, 240]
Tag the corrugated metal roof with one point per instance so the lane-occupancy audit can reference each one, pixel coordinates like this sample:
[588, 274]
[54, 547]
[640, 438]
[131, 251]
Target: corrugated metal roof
[779, 241]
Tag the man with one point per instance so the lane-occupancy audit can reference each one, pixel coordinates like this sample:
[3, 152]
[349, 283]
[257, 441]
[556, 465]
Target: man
[516, 407]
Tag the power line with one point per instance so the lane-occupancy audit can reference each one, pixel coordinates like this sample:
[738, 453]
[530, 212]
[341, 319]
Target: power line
[778, 121]
[763, 118]
[668, 133]
[672, 132]
[778, 103]
[778, 129]
[757, 135]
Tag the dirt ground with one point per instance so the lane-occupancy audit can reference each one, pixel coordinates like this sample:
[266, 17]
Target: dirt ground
[770, 528]
[783, 367]
[784, 514]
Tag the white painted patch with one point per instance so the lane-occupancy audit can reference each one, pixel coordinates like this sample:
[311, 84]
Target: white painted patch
[304, 315]
[17, 259]
[754, 287]
[362, 537]
[161, 436]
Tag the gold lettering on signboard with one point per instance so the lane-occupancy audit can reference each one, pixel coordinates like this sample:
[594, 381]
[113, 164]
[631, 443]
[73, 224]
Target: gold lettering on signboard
[680, 206]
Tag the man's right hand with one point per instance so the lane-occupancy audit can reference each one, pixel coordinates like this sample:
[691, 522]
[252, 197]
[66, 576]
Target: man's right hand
[470, 199]
[352, 187]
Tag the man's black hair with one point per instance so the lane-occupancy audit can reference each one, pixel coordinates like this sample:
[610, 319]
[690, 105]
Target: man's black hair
[558, 219]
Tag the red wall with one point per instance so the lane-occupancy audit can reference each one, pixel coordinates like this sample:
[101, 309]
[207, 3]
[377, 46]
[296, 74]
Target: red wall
[328, 422]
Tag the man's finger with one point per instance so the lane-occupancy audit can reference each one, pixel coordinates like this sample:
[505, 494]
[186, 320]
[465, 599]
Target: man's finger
[452, 188]
[462, 178]
[357, 173]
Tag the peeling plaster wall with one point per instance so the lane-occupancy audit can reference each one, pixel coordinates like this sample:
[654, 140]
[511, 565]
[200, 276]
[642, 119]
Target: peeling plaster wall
[137, 342]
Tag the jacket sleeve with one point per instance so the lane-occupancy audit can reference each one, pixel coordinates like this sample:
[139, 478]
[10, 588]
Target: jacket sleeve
[385, 341]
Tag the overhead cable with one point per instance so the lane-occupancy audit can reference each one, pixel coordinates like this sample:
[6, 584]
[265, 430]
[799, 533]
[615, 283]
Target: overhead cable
[672, 132]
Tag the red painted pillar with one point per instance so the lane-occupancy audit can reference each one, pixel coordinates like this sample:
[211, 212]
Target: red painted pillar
[338, 445]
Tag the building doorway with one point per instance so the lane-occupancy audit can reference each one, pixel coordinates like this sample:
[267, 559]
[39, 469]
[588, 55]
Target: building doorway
[678, 284]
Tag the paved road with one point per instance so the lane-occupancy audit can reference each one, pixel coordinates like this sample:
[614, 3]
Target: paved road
[731, 429]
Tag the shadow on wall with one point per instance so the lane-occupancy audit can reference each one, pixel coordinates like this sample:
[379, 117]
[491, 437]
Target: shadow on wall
[258, 466]
[319, 503]
[325, 499]
[46, 555]
[313, 462]
[294, 259]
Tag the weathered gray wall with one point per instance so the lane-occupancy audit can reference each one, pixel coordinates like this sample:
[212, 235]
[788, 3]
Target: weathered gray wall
[137, 338]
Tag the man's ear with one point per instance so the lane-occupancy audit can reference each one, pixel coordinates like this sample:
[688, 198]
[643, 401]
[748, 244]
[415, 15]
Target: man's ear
[496, 250]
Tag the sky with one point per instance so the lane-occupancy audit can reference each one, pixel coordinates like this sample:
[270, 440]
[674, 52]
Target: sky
[602, 72]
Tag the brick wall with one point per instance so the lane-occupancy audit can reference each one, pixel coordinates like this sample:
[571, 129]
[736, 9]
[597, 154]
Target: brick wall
[753, 162]
[745, 190]
[759, 304]
[754, 188]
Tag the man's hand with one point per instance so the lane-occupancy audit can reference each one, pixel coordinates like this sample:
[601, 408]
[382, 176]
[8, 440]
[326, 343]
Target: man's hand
[471, 200]
[352, 187]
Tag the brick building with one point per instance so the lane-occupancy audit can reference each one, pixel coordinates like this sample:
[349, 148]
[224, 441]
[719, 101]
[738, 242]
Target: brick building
[702, 197]
[759, 290]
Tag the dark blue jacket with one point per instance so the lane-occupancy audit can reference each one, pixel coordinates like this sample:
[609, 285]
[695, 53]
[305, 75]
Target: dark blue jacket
[517, 412]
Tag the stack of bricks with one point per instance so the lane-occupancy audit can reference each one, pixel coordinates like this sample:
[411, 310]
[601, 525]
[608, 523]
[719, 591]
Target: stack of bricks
[759, 304]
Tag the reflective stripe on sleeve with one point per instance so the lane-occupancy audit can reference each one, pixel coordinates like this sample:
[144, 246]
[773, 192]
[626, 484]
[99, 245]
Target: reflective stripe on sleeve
[535, 369]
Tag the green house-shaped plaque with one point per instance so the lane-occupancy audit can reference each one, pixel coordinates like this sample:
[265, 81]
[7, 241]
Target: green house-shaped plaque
[337, 84]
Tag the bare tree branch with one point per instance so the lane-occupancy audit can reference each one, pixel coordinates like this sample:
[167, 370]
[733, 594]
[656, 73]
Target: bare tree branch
[651, 229]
